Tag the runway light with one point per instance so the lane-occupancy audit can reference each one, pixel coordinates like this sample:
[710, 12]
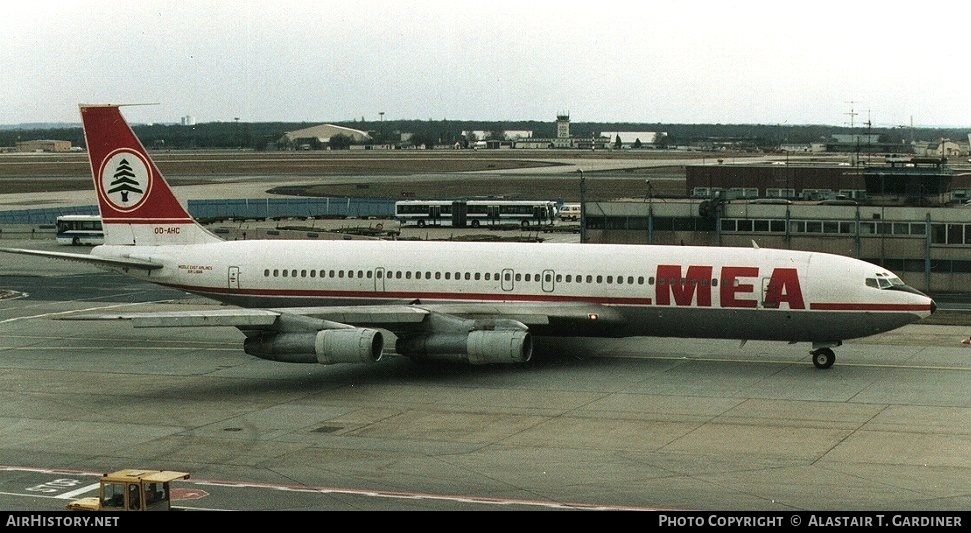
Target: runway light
[592, 316]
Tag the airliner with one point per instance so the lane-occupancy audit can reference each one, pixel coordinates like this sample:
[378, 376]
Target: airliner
[344, 301]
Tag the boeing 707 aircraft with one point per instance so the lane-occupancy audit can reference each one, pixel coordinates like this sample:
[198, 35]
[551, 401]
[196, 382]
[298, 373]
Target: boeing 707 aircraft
[338, 301]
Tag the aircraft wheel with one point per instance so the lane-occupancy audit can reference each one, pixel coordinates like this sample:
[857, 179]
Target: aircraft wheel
[421, 223]
[475, 223]
[823, 358]
[76, 241]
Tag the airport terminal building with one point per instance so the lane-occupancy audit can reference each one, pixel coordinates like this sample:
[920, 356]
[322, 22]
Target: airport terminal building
[910, 215]
[929, 247]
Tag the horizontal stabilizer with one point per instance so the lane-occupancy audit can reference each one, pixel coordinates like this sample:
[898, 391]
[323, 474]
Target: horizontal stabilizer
[102, 262]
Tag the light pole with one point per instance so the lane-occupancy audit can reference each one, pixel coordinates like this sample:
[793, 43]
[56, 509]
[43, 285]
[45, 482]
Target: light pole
[583, 206]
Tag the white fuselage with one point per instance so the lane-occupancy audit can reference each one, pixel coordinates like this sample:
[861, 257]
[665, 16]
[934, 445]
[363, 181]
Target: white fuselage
[743, 293]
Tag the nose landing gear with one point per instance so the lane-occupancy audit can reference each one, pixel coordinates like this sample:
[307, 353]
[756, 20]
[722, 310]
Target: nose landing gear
[823, 358]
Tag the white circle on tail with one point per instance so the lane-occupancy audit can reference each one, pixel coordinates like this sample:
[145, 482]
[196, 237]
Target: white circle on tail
[126, 179]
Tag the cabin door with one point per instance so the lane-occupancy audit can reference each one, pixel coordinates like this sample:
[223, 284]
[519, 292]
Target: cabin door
[379, 279]
[233, 279]
[548, 281]
[507, 279]
[763, 304]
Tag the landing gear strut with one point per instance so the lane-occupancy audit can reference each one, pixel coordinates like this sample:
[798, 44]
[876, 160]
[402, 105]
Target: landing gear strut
[823, 358]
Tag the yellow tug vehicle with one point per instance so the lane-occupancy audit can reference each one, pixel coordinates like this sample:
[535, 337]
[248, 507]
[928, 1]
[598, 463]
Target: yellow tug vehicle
[132, 490]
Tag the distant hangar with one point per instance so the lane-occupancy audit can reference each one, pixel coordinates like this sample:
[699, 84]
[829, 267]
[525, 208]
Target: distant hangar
[317, 137]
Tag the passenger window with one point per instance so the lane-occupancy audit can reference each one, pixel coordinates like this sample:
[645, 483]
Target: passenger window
[569, 278]
[350, 273]
[293, 273]
[313, 273]
[589, 278]
[600, 279]
[468, 275]
[519, 277]
[527, 277]
[368, 274]
[285, 273]
[448, 275]
[477, 276]
[630, 280]
[266, 273]
[303, 273]
[438, 275]
[650, 280]
[276, 273]
[610, 279]
[620, 280]
[428, 275]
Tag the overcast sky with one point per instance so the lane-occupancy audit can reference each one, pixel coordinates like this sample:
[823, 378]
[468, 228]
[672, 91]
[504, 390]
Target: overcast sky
[806, 62]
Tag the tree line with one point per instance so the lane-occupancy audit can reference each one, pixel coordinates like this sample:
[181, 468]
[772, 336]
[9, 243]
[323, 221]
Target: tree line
[267, 135]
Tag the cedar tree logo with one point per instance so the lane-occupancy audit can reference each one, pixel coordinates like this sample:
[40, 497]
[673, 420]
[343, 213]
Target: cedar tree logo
[126, 179]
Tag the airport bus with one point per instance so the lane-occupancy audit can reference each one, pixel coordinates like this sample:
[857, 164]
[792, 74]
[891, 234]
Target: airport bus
[77, 230]
[475, 213]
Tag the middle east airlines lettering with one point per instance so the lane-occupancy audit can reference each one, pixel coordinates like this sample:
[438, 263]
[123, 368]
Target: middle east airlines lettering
[695, 287]
[340, 301]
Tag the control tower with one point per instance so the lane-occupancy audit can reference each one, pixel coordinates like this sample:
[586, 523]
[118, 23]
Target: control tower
[563, 126]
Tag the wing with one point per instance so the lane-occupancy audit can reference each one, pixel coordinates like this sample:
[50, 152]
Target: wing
[476, 333]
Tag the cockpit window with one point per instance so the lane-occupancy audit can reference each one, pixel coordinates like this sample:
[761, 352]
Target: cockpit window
[884, 280]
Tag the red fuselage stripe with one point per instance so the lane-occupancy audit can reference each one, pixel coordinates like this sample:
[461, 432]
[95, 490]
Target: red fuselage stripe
[834, 306]
[506, 297]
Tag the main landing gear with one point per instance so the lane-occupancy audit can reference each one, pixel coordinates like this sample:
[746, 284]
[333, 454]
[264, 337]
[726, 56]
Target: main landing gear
[823, 356]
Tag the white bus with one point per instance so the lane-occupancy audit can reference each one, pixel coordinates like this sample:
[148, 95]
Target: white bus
[80, 230]
[475, 213]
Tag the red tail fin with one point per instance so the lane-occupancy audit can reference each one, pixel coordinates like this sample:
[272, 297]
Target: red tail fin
[137, 205]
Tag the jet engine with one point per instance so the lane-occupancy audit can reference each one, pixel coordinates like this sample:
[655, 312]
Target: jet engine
[478, 347]
[327, 346]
